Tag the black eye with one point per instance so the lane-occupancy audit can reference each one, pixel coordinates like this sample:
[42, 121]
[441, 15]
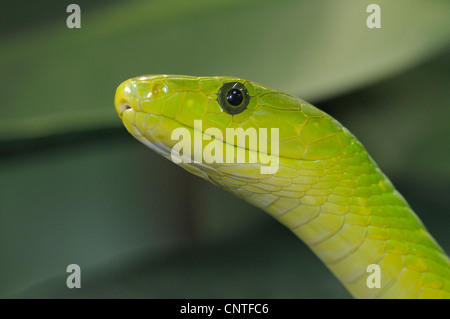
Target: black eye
[233, 97]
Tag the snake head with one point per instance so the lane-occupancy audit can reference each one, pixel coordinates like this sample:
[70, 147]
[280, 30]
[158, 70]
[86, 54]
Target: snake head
[160, 110]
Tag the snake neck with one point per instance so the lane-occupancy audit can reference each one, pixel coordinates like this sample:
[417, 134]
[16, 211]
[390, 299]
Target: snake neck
[348, 212]
[326, 188]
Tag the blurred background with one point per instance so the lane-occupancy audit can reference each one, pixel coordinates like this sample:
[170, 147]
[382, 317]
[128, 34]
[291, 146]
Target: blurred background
[75, 187]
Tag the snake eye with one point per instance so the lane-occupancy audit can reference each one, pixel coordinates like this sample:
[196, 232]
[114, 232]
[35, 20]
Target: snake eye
[233, 97]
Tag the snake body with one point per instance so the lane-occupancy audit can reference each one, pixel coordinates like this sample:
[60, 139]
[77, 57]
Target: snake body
[327, 189]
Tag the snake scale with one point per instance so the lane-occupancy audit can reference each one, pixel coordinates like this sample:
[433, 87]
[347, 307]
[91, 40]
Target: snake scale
[327, 189]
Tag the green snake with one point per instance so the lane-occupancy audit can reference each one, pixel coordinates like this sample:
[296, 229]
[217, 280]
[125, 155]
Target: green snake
[326, 189]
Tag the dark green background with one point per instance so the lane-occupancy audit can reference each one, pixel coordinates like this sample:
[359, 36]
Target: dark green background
[75, 187]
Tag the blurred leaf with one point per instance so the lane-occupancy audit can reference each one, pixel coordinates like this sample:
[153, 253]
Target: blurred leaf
[141, 227]
[56, 80]
[264, 262]
[16, 18]
[241, 252]
[106, 197]
[83, 205]
[403, 122]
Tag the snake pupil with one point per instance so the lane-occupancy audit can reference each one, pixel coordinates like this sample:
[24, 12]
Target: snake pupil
[235, 97]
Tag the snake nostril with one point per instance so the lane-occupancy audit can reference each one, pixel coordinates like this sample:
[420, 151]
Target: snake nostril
[123, 107]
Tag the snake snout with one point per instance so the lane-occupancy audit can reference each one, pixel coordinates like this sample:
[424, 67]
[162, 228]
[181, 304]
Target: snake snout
[125, 98]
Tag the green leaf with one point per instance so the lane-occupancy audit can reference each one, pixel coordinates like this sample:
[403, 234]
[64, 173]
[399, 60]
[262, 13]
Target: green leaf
[57, 80]
[141, 227]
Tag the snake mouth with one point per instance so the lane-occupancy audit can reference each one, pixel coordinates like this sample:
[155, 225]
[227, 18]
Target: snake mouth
[125, 99]
[122, 108]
